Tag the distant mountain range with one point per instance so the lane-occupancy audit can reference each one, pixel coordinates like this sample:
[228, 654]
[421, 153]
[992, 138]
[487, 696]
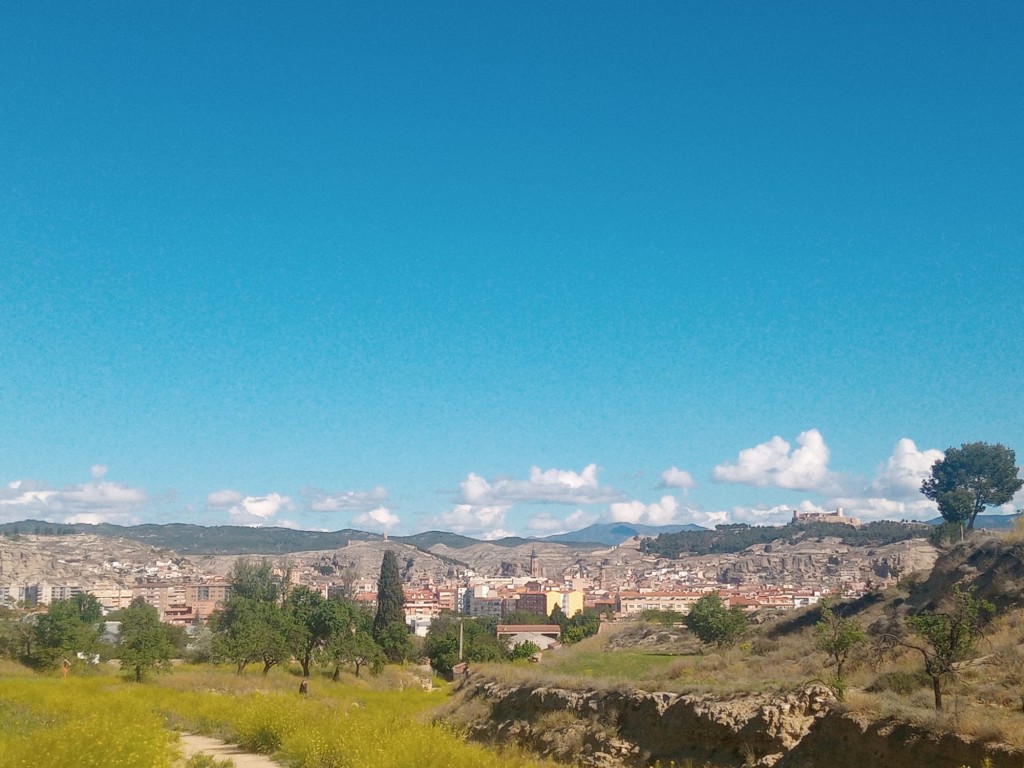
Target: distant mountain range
[187, 538]
[236, 540]
[989, 522]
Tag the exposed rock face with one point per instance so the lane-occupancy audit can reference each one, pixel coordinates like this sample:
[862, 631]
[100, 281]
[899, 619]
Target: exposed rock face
[846, 741]
[69, 559]
[634, 728]
[637, 727]
[828, 559]
[992, 566]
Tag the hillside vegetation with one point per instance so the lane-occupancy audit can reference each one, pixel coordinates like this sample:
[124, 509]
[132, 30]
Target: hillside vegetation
[737, 537]
[884, 677]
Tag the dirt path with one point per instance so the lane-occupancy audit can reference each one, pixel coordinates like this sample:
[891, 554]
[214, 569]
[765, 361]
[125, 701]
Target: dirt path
[191, 744]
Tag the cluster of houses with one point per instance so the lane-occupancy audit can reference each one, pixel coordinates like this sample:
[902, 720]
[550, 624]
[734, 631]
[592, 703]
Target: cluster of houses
[187, 599]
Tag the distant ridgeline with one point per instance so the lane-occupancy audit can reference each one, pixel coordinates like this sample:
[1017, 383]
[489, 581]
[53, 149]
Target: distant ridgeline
[237, 540]
[737, 537]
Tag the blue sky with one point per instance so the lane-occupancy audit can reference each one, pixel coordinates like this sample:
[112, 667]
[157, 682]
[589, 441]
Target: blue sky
[515, 268]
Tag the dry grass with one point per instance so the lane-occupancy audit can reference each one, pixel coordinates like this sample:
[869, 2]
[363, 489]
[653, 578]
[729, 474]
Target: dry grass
[1016, 533]
[984, 701]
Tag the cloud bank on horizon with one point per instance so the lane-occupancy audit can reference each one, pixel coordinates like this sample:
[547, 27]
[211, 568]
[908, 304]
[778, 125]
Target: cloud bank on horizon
[506, 505]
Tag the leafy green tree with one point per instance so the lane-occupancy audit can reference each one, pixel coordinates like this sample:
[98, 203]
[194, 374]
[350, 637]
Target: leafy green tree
[523, 650]
[312, 624]
[524, 617]
[61, 633]
[199, 648]
[276, 636]
[248, 630]
[390, 596]
[11, 643]
[713, 622]
[17, 637]
[558, 617]
[145, 641]
[837, 636]
[946, 639]
[254, 580]
[479, 641]
[668, 618]
[252, 626]
[395, 642]
[236, 630]
[89, 609]
[359, 649]
[584, 624]
[969, 478]
[350, 625]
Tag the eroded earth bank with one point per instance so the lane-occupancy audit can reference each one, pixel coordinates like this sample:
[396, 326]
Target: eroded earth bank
[639, 728]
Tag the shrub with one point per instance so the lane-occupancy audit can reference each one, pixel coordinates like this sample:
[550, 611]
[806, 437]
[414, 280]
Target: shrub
[900, 681]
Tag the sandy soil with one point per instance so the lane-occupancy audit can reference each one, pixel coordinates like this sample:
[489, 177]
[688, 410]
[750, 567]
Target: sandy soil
[191, 744]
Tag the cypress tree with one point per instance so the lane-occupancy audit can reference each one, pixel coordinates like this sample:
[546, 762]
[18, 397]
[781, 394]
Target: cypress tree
[389, 596]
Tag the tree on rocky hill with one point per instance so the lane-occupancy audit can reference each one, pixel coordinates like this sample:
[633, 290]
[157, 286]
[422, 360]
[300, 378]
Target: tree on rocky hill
[837, 636]
[969, 478]
[945, 639]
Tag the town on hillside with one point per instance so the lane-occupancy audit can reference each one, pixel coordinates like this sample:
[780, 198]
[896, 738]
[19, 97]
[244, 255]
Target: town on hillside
[618, 582]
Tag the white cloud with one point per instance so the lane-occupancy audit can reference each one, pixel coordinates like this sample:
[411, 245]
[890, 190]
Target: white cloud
[1014, 504]
[99, 471]
[769, 515]
[249, 510]
[381, 517]
[86, 518]
[901, 475]
[869, 508]
[346, 501]
[676, 478]
[895, 491]
[473, 520]
[225, 498]
[551, 486]
[705, 519]
[546, 523]
[661, 512]
[500, 533]
[774, 464]
[94, 502]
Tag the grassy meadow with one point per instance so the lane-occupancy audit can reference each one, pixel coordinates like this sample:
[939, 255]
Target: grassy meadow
[100, 721]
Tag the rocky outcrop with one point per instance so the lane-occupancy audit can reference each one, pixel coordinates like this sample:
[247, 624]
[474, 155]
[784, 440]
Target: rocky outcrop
[827, 560]
[635, 728]
[849, 741]
[632, 728]
[988, 564]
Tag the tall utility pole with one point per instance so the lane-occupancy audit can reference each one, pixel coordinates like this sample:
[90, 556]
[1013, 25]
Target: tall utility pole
[460, 638]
